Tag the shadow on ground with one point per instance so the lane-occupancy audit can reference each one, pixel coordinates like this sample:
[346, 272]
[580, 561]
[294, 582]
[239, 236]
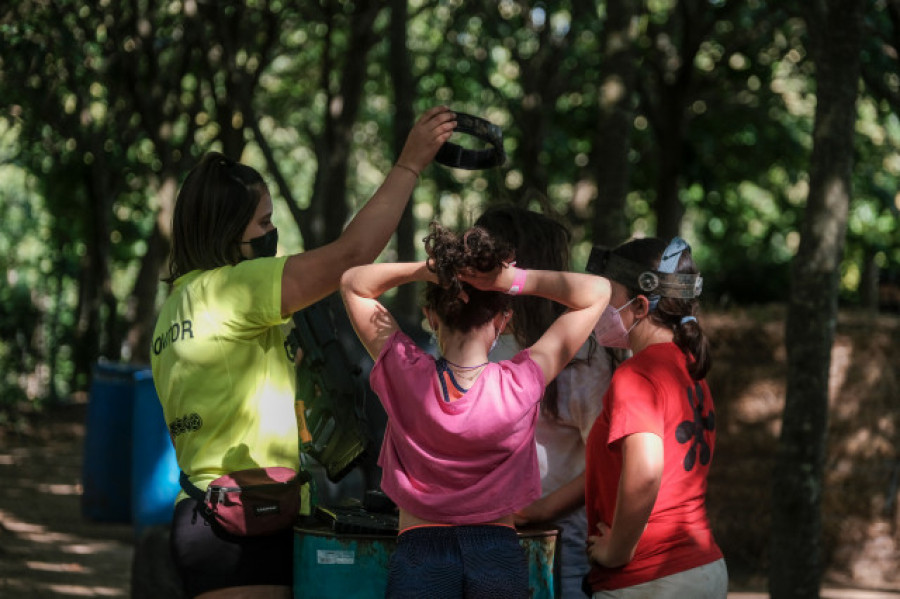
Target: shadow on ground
[47, 549]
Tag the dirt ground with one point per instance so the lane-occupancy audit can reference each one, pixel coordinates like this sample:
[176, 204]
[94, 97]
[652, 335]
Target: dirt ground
[48, 549]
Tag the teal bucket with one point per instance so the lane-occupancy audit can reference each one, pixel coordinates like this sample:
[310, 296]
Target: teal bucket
[332, 566]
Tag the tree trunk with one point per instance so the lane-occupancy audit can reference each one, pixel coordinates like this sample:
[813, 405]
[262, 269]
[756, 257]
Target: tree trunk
[333, 150]
[103, 186]
[613, 141]
[796, 549]
[868, 284]
[541, 87]
[142, 303]
[671, 142]
[93, 284]
[148, 81]
[404, 92]
[667, 88]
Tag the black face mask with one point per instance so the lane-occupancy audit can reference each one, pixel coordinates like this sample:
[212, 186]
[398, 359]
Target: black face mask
[264, 246]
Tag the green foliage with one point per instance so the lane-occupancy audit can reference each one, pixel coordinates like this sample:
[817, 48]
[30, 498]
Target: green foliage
[105, 105]
[27, 284]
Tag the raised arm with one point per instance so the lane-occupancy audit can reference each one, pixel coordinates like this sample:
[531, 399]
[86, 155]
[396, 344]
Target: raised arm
[585, 296]
[310, 276]
[361, 287]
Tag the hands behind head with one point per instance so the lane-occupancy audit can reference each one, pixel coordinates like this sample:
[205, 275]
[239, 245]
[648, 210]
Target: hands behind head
[498, 279]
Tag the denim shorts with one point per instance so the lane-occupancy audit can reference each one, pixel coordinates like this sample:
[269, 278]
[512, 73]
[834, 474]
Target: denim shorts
[208, 558]
[455, 562]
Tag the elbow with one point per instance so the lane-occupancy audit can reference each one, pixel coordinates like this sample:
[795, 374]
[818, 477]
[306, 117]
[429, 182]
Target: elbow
[353, 254]
[603, 291]
[620, 558]
[356, 250]
[646, 486]
[348, 280]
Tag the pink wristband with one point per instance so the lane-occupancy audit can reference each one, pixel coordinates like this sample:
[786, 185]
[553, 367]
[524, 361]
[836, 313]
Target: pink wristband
[518, 281]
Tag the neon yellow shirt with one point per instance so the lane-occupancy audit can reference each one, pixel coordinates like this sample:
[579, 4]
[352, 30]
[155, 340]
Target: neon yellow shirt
[222, 374]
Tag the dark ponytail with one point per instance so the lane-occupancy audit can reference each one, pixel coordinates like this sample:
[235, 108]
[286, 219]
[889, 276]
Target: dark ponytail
[690, 338]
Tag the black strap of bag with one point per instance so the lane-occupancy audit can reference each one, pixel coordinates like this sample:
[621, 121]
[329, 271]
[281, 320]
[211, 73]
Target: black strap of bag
[194, 492]
[190, 488]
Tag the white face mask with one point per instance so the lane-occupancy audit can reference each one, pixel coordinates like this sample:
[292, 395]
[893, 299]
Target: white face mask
[610, 330]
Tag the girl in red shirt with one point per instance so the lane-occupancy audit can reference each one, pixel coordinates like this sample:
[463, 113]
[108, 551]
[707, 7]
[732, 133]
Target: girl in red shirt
[650, 450]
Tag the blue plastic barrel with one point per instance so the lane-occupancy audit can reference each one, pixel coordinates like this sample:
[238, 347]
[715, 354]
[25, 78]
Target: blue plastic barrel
[106, 469]
[154, 475]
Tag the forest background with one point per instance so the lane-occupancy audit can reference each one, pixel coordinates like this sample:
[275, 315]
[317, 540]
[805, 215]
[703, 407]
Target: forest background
[764, 132]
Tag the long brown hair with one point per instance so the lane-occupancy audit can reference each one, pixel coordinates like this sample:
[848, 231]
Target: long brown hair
[670, 312]
[214, 206]
[539, 242]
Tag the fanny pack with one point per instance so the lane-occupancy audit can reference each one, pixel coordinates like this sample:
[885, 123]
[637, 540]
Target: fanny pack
[252, 502]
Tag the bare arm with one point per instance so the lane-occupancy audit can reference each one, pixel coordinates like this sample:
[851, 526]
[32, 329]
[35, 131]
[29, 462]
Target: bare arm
[310, 276]
[563, 500]
[361, 287]
[642, 466]
[585, 295]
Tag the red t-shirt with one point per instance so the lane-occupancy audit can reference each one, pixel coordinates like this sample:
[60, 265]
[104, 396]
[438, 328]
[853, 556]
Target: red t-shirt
[653, 392]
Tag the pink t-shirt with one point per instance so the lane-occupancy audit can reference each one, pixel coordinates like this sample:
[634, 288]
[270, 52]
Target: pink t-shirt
[463, 462]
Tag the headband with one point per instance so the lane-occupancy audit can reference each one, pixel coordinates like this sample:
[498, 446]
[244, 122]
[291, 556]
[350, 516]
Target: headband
[661, 282]
[455, 156]
[668, 262]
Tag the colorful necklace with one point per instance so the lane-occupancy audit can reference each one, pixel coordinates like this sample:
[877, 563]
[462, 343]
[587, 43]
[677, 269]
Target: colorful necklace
[465, 375]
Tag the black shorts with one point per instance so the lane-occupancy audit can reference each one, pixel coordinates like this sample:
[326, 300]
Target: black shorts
[208, 558]
[452, 562]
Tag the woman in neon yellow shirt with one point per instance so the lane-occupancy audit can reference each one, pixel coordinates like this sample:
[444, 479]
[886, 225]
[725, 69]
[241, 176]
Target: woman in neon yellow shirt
[219, 365]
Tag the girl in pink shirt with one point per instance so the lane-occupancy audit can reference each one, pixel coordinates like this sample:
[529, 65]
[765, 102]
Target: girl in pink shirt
[458, 456]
